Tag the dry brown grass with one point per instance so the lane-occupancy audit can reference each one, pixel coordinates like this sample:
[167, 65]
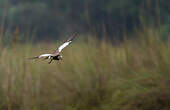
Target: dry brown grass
[92, 76]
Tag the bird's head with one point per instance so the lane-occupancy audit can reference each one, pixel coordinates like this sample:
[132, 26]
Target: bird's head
[60, 57]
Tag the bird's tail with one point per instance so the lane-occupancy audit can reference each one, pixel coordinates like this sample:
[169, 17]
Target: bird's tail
[33, 58]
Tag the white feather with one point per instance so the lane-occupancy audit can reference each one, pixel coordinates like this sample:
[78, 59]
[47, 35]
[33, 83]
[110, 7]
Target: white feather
[45, 55]
[63, 46]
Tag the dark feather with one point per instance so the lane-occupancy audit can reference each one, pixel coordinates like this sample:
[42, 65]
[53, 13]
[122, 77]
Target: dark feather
[71, 38]
[33, 58]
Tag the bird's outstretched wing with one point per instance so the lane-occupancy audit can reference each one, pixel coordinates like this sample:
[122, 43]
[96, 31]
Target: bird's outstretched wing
[66, 43]
[41, 56]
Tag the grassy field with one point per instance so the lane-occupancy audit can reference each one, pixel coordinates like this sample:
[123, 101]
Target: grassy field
[94, 75]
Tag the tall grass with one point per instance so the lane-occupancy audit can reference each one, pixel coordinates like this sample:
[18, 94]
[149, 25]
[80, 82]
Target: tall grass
[94, 75]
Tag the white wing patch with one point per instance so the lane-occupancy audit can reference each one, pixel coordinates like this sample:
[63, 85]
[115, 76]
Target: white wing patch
[45, 55]
[63, 46]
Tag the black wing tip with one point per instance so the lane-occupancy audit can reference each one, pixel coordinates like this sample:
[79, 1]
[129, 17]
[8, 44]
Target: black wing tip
[73, 36]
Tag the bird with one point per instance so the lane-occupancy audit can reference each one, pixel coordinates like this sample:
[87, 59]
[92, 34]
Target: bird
[56, 55]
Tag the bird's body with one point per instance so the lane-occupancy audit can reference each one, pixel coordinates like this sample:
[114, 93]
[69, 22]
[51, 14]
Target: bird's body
[56, 55]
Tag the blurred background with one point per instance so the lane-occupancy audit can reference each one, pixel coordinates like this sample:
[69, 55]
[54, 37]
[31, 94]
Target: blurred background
[49, 19]
[119, 61]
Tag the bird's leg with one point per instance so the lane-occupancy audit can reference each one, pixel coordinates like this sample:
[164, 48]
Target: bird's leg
[50, 61]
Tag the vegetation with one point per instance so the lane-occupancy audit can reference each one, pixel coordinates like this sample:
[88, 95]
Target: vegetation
[109, 18]
[94, 75]
[98, 71]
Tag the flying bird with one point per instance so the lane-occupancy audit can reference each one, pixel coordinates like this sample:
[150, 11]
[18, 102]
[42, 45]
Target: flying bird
[56, 55]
